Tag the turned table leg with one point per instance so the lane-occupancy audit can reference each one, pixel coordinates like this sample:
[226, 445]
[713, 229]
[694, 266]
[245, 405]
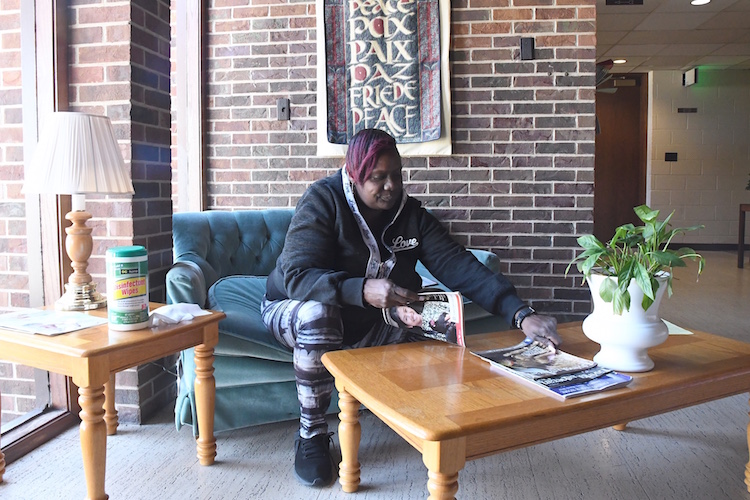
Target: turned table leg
[110, 413]
[350, 433]
[93, 440]
[443, 460]
[205, 399]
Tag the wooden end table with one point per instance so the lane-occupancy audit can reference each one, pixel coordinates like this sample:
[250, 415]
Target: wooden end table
[452, 407]
[92, 356]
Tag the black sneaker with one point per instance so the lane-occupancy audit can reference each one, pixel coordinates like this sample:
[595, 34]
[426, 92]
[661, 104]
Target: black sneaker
[313, 462]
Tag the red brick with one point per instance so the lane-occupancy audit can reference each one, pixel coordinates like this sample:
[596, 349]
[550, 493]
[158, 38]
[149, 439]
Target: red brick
[98, 93]
[481, 4]
[469, 42]
[556, 41]
[217, 4]
[11, 41]
[103, 54]
[87, 74]
[556, 13]
[8, 5]
[95, 14]
[587, 40]
[587, 13]
[252, 12]
[490, 28]
[9, 20]
[288, 10]
[10, 59]
[491, 55]
[231, 26]
[534, 27]
[11, 78]
[533, 3]
[513, 14]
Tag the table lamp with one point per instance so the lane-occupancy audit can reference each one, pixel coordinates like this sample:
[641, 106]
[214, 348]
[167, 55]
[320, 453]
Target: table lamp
[78, 154]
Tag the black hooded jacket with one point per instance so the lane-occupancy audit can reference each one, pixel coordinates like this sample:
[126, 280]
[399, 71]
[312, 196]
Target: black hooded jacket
[325, 259]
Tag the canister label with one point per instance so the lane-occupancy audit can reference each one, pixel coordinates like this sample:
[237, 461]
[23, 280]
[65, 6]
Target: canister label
[127, 288]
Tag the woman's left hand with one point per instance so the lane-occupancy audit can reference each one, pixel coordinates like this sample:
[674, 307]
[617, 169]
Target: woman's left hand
[541, 328]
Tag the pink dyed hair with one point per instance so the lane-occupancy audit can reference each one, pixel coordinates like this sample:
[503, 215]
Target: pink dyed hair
[365, 148]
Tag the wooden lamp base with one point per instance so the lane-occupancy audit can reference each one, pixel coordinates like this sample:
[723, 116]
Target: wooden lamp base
[80, 291]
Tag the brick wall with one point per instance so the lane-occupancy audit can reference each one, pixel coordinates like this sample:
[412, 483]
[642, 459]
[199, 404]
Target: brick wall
[119, 66]
[16, 381]
[13, 276]
[150, 123]
[520, 180]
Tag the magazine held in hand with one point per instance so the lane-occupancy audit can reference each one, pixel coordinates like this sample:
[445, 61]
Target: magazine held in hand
[439, 315]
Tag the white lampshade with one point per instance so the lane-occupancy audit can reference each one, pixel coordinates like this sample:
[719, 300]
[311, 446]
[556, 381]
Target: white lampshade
[77, 154]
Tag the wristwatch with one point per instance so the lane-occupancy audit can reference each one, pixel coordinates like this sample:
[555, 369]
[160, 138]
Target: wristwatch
[522, 314]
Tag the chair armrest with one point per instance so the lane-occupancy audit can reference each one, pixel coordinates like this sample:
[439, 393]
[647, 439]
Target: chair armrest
[489, 259]
[186, 284]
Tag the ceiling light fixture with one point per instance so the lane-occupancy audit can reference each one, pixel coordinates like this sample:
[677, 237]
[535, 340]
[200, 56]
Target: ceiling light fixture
[620, 61]
[699, 2]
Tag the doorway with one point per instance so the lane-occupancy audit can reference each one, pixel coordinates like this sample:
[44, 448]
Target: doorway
[620, 154]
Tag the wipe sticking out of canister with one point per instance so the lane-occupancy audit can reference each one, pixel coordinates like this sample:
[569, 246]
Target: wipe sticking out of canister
[127, 287]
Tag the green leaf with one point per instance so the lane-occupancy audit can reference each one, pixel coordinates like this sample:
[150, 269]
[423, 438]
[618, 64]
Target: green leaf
[589, 241]
[668, 258]
[646, 302]
[607, 289]
[626, 274]
[645, 213]
[586, 266]
[649, 231]
[621, 302]
[621, 233]
[644, 281]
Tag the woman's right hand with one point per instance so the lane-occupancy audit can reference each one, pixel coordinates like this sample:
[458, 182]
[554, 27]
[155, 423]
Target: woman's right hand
[385, 293]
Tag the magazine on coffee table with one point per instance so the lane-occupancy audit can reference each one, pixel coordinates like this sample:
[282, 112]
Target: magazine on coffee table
[555, 372]
[438, 315]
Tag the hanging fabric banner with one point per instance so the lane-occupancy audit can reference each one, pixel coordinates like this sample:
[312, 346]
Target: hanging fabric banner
[383, 64]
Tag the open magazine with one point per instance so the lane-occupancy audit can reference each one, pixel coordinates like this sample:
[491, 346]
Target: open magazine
[557, 373]
[438, 315]
[46, 321]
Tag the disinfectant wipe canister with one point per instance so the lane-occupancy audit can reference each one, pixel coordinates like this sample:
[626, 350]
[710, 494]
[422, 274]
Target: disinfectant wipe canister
[127, 288]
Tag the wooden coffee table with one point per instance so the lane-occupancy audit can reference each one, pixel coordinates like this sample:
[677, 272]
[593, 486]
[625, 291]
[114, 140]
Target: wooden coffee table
[92, 356]
[452, 407]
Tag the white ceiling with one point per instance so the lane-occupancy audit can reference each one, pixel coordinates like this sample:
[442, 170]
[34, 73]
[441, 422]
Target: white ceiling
[674, 35]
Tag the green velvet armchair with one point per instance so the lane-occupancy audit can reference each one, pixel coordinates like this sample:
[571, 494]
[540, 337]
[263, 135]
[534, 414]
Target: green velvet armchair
[221, 261]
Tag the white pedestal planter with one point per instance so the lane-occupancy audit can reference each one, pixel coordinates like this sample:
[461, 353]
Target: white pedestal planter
[625, 339]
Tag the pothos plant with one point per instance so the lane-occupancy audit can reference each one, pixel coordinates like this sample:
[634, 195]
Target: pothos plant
[641, 253]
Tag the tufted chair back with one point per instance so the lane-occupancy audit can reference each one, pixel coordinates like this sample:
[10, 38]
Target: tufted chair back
[223, 243]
